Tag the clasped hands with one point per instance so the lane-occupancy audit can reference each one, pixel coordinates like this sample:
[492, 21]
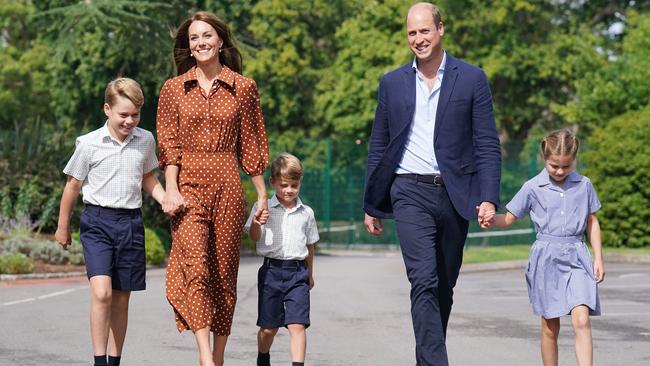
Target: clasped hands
[262, 213]
[173, 202]
[486, 213]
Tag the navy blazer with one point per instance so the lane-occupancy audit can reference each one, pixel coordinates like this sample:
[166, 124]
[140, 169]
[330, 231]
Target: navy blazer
[465, 141]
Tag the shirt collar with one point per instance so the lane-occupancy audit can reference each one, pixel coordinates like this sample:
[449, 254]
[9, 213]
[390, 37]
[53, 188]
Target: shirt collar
[273, 202]
[543, 179]
[441, 69]
[226, 75]
[104, 133]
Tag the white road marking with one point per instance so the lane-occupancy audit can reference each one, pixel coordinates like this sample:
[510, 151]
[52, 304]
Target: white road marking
[18, 301]
[53, 294]
[56, 293]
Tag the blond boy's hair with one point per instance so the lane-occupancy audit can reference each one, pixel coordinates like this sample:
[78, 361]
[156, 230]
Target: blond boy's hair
[286, 166]
[559, 143]
[126, 88]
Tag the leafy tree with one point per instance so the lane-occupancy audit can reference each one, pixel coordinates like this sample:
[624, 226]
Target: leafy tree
[99, 40]
[617, 163]
[368, 45]
[620, 84]
[294, 45]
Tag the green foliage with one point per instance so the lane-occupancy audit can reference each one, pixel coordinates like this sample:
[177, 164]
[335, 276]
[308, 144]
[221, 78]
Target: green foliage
[16, 263]
[369, 44]
[39, 249]
[618, 165]
[620, 84]
[28, 205]
[154, 247]
[295, 43]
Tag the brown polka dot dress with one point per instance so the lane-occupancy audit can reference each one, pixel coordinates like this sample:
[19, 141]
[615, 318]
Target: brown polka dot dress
[208, 137]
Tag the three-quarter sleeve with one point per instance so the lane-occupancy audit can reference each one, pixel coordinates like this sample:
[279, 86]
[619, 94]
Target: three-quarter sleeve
[167, 126]
[252, 143]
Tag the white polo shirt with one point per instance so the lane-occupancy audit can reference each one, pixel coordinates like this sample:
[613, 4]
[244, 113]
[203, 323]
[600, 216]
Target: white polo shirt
[112, 171]
[287, 232]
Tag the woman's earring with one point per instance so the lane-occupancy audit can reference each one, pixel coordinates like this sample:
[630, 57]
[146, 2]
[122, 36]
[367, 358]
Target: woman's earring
[191, 54]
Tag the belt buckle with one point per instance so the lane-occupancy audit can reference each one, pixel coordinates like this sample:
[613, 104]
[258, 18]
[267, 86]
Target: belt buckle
[437, 180]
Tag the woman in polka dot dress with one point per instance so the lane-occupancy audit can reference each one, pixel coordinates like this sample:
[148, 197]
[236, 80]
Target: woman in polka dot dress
[209, 123]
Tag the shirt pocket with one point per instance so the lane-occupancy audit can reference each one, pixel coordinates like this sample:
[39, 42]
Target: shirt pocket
[268, 237]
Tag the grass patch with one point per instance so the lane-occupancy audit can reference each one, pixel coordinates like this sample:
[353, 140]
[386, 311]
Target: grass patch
[476, 254]
[632, 251]
[482, 254]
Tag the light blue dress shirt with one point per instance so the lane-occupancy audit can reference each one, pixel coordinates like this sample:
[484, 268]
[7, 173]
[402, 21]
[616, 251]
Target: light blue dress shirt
[419, 155]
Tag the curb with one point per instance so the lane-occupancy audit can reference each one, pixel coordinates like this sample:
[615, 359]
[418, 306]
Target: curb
[48, 275]
[40, 276]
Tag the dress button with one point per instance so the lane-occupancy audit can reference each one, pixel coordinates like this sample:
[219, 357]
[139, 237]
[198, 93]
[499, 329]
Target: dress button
[561, 194]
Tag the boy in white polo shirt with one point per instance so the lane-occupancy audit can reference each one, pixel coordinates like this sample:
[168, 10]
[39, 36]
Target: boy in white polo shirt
[285, 236]
[110, 167]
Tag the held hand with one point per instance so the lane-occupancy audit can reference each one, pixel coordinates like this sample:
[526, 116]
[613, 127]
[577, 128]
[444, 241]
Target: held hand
[63, 237]
[486, 213]
[373, 225]
[311, 282]
[599, 270]
[173, 203]
[262, 213]
[261, 217]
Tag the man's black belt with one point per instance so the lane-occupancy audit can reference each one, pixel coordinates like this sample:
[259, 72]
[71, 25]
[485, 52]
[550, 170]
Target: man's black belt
[425, 178]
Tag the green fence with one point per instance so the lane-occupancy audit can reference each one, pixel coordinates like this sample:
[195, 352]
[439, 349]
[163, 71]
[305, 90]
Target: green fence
[333, 186]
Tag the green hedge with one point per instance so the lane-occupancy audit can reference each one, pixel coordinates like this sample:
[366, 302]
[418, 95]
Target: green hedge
[15, 263]
[154, 247]
[618, 163]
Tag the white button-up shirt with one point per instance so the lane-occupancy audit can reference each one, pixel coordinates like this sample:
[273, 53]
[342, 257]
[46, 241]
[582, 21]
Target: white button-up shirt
[112, 171]
[287, 232]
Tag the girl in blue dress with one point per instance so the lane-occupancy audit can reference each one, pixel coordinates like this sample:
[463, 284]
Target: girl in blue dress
[561, 276]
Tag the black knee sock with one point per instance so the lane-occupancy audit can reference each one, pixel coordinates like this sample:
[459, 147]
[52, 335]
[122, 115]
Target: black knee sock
[297, 364]
[263, 359]
[114, 361]
[100, 360]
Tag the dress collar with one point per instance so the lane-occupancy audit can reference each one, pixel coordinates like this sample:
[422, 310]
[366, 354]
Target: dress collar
[226, 75]
[543, 179]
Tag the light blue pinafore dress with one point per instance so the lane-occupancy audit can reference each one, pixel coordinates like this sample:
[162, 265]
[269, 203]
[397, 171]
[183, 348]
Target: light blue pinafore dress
[559, 274]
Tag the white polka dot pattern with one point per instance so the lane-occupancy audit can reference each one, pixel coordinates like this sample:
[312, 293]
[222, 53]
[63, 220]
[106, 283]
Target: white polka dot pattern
[206, 136]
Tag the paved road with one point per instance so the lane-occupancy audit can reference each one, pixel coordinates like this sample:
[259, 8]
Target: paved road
[360, 316]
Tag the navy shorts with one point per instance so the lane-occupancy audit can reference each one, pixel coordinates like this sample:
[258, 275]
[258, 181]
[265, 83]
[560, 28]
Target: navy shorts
[283, 293]
[113, 243]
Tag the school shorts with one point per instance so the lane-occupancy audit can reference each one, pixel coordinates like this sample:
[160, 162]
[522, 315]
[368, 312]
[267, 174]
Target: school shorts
[113, 245]
[283, 293]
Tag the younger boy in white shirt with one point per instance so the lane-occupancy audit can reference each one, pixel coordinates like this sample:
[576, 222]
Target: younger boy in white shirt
[285, 236]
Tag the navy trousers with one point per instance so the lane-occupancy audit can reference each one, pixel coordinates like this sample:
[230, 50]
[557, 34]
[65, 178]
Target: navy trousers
[432, 235]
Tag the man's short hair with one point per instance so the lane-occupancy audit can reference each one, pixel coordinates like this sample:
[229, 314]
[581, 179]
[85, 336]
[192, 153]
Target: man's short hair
[435, 11]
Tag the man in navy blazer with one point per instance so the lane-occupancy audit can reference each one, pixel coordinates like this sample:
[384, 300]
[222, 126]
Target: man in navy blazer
[434, 162]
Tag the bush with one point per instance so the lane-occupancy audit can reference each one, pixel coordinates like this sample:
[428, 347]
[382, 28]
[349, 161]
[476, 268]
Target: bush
[617, 163]
[154, 247]
[44, 250]
[16, 263]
